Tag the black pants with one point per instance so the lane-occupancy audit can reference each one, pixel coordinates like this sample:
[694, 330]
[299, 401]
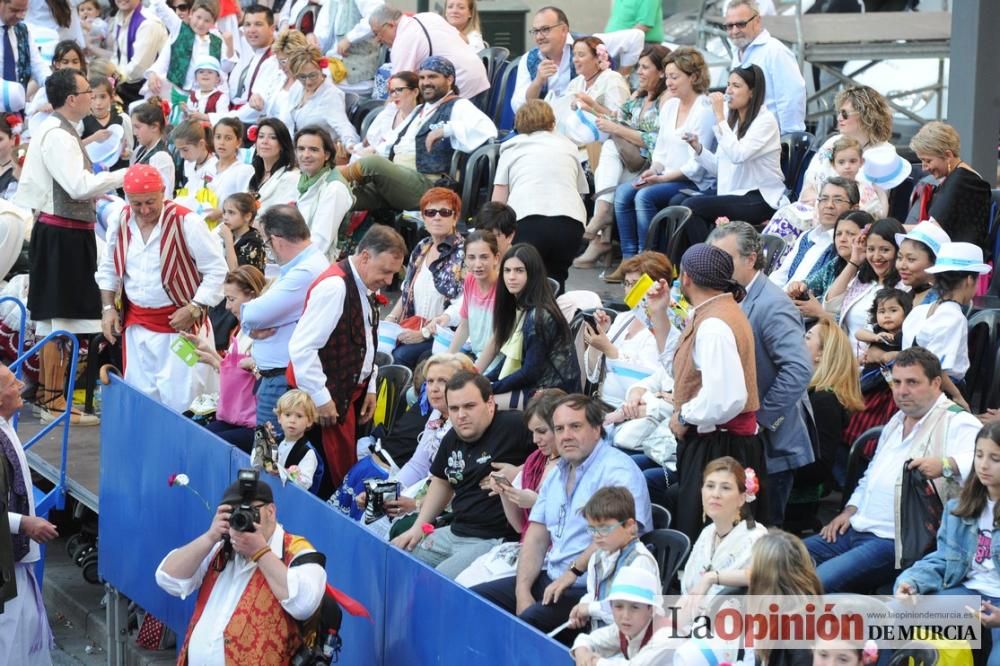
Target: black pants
[544, 618]
[749, 207]
[557, 239]
[696, 451]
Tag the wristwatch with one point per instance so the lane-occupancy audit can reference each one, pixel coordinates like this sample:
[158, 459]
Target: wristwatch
[576, 572]
[424, 332]
[946, 470]
[106, 307]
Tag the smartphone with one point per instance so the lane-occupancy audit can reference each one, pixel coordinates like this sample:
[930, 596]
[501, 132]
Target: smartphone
[804, 296]
[501, 479]
[590, 319]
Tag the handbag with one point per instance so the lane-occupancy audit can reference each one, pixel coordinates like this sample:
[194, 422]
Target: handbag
[631, 155]
[920, 509]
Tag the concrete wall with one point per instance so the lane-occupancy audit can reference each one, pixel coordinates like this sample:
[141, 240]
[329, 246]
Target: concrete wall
[584, 15]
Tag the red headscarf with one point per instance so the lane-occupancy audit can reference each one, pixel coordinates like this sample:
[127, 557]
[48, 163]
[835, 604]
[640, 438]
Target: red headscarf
[142, 179]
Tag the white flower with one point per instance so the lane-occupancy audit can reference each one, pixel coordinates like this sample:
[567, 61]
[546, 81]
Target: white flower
[181, 480]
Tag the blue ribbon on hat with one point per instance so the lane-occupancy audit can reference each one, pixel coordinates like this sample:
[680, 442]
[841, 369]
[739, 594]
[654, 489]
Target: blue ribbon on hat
[889, 177]
[634, 590]
[920, 236]
[957, 263]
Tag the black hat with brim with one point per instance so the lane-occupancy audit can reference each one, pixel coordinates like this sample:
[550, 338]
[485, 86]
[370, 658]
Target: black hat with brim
[234, 494]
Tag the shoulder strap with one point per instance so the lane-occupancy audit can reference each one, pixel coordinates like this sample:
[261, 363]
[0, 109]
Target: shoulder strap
[430, 44]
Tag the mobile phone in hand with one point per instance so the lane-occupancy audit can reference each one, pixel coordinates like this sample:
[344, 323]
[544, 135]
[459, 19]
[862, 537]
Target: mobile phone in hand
[501, 479]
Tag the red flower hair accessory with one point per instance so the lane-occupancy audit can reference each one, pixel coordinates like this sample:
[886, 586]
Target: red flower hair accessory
[252, 133]
[324, 63]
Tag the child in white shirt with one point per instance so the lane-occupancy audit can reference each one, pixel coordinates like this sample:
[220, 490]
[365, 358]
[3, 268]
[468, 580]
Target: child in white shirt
[297, 459]
[210, 93]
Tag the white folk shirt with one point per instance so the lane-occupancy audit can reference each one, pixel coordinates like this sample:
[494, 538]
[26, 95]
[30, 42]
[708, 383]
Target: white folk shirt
[242, 83]
[34, 553]
[323, 207]
[822, 238]
[322, 313]
[143, 282]
[876, 492]
[468, 129]
[306, 585]
[557, 82]
[149, 39]
[944, 334]
[716, 356]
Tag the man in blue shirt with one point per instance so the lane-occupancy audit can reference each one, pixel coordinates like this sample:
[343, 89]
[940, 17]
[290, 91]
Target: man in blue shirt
[271, 317]
[785, 88]
[557, 546]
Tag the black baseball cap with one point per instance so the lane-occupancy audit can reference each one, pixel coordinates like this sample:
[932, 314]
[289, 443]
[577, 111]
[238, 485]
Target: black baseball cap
[234, 494]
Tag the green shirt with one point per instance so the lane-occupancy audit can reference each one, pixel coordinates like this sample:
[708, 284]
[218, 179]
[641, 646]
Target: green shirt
[626, 14]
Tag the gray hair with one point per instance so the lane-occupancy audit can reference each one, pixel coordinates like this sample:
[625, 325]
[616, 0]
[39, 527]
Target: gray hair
[748, 241]
[752, 4]
[849, 185]
[381, 238]
[384, 14]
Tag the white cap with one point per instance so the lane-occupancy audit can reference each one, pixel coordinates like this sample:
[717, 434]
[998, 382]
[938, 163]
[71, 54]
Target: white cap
[11, 96]
[637, 585]
[962, 257]
[927, 232]
[884, 167]
[208, 62]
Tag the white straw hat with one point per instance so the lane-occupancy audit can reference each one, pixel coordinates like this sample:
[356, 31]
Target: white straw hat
[927, 232]
[884, 167]
[962, 257]
[637, 585]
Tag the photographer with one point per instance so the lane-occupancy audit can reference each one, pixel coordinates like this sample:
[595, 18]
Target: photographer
[253, 584]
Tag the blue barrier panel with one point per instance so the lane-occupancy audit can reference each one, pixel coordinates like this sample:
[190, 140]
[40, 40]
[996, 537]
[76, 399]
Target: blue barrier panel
[419, 617]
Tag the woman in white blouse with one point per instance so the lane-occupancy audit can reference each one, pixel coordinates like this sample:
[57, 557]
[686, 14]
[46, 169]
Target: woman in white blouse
[673, 166]
[464, 17]
[404, 92]
[315, 100]
[747, 164]
[275, 178]
[323, 198]
[597, 88]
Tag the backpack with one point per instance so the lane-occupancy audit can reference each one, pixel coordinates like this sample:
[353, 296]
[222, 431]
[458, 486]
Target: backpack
[321, 642]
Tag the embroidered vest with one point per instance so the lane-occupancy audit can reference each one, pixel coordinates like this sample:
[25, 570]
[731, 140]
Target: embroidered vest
[23, 54]
[687, 378]
[181, 51]
[210, 104]
[178, 269]
[63, 205]
[535, 59]
[343, 355]
[438, 159]
[259, 631]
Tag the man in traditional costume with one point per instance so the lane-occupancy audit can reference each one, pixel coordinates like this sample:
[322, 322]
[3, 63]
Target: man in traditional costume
[160, 274]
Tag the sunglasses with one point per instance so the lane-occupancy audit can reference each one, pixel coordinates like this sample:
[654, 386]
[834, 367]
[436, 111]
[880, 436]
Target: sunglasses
[739, 25]
[438, 212]
[182, 7]
[845, 114]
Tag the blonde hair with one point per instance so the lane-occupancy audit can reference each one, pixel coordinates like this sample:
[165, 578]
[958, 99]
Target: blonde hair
[691, 62]
[935, 138]
[535, 115]
[780, 565]
[845, 143]
[299, 57]
[838, 367]
[455, 361]
[210, 6]
[473, 25]
[297, 399]
[874, 113]
[290, 40]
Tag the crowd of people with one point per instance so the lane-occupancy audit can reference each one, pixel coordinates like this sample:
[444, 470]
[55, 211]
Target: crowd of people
[198, 196]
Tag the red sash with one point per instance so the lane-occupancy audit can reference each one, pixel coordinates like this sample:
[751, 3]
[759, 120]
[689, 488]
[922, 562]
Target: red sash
[178, 269]
[64, 222]
[744, 424]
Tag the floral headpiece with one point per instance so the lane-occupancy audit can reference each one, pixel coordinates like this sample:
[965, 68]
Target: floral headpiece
[752, 484]
[870, 654]
[252, 133]
[16, 125]
[603, 58]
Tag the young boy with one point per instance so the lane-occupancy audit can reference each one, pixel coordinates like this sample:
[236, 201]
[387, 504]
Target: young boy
[191, 41]
[209, 94]
[610, 515]
[297, 458]
[635, 602]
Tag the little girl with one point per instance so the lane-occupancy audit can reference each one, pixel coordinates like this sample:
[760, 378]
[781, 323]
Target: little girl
[149, 127]
[95, 28]
[103, 113]
[191, 41]
[193, 141]
[231, 175]
[475, 308]
[297, 458]
[885, 331]
[9, 171]
[66, 54]
[242, 243]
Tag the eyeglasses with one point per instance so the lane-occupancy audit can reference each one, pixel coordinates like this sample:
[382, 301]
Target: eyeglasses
[438, 212]
[845, 114]
[88, 91]
[396, 91]
[308, 77]
[544, 30]
[628, 284]
[840, 201]
[739, 25]
[602, 530]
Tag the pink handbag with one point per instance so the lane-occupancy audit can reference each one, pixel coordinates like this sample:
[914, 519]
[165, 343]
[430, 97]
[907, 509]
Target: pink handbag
[237, 403]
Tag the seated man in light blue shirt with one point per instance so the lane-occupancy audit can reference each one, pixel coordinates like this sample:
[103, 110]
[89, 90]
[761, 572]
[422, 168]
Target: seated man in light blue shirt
[557, 546]
[271, 317]
[786, 89]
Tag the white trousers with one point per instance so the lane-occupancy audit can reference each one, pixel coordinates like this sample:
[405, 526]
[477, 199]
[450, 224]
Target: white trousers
[23, 623]
[153, 368]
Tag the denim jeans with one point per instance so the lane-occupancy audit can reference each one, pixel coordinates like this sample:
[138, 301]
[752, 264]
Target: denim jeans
[636, 208]
[994, 634]
[451, 554]
[658, 478]
[409, 355]
[268, 392]
[855, 562]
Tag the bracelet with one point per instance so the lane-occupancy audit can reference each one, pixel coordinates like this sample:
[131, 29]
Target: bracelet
[107, 307]
[857, 266]
[264, 550]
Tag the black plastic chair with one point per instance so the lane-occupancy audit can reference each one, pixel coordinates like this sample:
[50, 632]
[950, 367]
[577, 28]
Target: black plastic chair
[661, 517]
[554, 283]
[382, 359]
[899, 196]
[398, 378]
[984, 334]
[365, 113]
[501, 111]
[670, 548]
[476, 177]
[664, 227]
[858, 459]
[772, 248]
[795, 147]
[492, 57]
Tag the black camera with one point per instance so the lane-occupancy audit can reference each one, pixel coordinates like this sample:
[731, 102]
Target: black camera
[378, 493]
[245, 515]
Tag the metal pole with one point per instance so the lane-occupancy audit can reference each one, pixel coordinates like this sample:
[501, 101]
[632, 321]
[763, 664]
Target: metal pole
[974, 88]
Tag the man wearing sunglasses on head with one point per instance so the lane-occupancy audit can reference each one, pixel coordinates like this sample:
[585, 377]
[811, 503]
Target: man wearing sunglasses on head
[786, 89]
